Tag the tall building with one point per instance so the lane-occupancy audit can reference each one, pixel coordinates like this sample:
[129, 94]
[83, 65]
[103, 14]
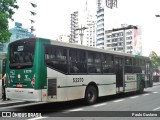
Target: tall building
[106, 19]
[17, 33]
[83, 28]
[124, 39]
[74, 26]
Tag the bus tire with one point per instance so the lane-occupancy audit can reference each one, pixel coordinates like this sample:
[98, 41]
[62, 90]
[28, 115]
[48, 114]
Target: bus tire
[141, 88]
[91, 95]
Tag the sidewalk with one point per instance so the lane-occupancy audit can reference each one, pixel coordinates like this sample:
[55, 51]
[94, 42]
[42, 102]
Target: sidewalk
[156, 83]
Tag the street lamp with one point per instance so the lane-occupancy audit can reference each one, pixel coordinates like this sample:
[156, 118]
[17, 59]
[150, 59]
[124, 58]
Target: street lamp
[81, 33]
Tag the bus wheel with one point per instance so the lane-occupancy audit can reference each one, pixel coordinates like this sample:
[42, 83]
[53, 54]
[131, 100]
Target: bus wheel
[141, 88]
[91, 95]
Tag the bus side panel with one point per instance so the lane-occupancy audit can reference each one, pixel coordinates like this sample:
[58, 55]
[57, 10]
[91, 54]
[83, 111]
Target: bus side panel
[58, 92]
[130, 82]
[41, 70]
[71, 87]
[77, 85]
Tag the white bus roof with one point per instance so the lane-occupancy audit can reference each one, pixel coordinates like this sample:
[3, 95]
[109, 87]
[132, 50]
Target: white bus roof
[82, 47]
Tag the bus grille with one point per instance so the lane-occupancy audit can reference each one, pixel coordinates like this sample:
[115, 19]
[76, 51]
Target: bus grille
[52, 87]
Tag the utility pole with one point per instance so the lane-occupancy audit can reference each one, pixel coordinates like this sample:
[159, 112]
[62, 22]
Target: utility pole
[81, 32]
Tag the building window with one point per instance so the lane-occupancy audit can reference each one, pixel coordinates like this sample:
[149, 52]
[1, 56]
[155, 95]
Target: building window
[129, 38]
[107, 61]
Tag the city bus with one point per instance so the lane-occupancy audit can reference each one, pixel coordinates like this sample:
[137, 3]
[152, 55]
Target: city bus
[45, 70]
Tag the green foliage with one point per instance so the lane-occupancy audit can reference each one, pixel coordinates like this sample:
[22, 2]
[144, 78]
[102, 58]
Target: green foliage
[155, 59]
[6, 12]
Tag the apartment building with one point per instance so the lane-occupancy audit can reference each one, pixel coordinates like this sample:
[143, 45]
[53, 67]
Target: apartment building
[125, 39]
[83, 28]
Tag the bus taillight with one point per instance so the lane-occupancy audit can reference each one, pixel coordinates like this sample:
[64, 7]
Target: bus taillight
[33, 82]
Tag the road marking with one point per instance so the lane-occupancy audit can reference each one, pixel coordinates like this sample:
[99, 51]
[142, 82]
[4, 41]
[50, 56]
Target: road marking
[119, 100]
[134, 97]
[72, 110]
[154, 92]
[102, 104]
[79, 109]
[37, 118]
[156, 109]
[145, 94]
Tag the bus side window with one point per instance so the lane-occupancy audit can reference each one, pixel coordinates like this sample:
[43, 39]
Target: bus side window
[56, 58]
[128, 65]
[77, 61]
[107, 63]
[94, 62]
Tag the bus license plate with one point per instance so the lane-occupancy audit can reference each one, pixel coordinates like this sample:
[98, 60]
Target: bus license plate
[19, 85]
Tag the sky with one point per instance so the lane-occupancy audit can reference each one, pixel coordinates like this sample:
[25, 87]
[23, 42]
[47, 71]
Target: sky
[53, 18]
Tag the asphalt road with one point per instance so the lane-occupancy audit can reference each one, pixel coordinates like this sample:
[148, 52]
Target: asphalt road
[129, 106]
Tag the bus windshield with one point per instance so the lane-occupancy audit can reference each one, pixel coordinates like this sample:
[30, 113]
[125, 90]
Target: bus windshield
[21, 54]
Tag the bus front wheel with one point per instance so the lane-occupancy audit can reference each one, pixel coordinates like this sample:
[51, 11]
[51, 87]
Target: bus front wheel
[91, 95]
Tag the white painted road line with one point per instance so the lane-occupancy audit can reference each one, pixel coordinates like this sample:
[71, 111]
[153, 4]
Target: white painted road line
[79, 109]
[154, 92]
[134, 97]
[72, 110]
[102, 104]
[145, 94]
[156, 109]
[119, 100]
[37, 118]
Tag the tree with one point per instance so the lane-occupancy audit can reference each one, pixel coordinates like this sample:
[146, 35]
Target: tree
[155, 59]
[6, 12]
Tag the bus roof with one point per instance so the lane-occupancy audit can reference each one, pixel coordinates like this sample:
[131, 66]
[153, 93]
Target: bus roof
[82, 47]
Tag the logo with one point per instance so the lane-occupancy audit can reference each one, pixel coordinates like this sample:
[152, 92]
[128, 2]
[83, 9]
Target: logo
[12, 73]
[131, 77]
[6, 114]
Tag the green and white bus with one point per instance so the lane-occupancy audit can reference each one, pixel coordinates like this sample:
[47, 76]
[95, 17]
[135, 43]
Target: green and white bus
[50, 71]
